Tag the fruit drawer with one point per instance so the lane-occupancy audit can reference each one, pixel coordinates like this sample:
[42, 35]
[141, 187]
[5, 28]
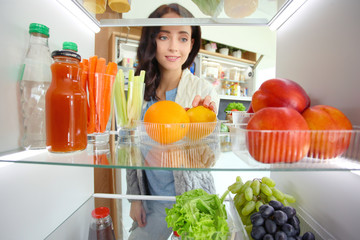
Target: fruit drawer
[305, 148]
[178, 134]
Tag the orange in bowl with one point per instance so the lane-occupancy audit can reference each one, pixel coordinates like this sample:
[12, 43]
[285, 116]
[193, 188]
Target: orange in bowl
[203, 122]
[166, 122]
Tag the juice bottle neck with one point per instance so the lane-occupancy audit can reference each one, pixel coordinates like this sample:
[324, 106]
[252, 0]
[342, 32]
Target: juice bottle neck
[39, 39]
[39, 48]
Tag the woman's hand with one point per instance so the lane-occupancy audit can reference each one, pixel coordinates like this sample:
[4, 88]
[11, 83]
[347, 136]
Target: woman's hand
[206, 102]
[137, 213]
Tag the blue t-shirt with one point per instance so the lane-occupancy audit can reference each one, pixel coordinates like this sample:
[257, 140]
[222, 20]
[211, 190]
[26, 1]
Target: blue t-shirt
[161, 182]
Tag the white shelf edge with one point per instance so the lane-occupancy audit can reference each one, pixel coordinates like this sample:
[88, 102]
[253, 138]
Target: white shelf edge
[183, 21]
[239, 98]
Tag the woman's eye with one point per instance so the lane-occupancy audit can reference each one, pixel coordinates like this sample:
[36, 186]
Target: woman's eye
[163, 37]
[184, 39]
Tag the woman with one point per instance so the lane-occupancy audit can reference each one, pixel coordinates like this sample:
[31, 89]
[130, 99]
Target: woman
[165, 53]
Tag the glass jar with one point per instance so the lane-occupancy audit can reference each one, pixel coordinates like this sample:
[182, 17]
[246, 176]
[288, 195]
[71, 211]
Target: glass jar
[101, 225]
[66, 119]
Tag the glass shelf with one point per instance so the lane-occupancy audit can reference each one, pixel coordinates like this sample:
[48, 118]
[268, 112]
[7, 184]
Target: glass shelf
[141, 9]
[220, 152]
[119, 205]
[238, 98]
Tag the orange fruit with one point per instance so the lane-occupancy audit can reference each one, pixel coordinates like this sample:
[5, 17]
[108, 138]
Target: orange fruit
[203, 122]
[166, 122]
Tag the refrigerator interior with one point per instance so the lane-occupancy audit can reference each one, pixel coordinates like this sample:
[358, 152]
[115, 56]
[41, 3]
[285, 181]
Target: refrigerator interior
[35, 199]
[318, 48]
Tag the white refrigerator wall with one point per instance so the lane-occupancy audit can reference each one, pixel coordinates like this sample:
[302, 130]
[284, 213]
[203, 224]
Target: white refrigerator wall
[319, 48]
[34, 198]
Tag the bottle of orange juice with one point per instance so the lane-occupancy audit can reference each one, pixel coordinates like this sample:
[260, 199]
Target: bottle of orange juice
[66, 119]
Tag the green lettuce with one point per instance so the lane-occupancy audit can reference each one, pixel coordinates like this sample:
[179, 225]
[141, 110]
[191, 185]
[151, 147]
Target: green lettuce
[208, 7]
[198, 215]
[235, 105]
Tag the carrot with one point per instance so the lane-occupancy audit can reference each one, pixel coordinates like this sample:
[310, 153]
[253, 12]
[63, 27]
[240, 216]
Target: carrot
[85, 73]
[109, 79]
[99, 90]
[91, 89]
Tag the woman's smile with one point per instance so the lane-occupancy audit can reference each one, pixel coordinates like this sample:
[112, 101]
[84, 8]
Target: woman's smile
[172, 58]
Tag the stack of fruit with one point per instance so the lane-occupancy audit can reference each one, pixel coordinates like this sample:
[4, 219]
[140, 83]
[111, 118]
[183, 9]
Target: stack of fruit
[276, 221]
[167, 122]
[265, 210]
[296, 129]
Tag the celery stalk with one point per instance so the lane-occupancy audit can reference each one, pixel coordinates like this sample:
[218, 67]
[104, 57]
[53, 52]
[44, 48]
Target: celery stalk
[128, 110]
[120, 100]
[135, 99]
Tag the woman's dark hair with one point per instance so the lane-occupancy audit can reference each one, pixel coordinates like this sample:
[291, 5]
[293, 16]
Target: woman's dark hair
[147, 48]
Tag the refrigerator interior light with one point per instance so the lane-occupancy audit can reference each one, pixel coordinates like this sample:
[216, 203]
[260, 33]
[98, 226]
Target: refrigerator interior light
[80, 13]
[285, 12]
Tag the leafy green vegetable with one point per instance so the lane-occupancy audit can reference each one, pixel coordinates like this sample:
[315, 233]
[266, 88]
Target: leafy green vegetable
[209, 7]
[198, 215]
[224, 128]
[235, 105]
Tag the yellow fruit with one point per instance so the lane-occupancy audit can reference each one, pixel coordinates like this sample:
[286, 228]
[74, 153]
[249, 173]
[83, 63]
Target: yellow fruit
[203, 122]
[166, 122]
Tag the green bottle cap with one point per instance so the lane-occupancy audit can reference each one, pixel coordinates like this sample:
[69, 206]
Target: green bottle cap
[39, 28]
[70, 46]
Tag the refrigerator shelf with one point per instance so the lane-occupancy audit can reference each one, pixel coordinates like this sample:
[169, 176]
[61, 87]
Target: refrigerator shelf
[78, 222]
[219, 152]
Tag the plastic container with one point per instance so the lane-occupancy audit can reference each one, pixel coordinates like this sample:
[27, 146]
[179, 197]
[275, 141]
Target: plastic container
[195, 155]
[302, 148]
[101, 225]
[66, 119]
[212, 70]
[178, 133]
[120, 6]
[34, 82]
[235, 74]
[95, 6]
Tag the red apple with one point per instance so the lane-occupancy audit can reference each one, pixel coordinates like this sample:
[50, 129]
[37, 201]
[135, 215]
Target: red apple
[280, 93]
[278, 134]
[334, 137]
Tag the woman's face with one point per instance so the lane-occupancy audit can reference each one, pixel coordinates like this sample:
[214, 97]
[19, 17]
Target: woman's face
[174, 44]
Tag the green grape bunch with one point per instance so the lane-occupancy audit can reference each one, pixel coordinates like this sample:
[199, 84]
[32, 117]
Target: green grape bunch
[252, 194]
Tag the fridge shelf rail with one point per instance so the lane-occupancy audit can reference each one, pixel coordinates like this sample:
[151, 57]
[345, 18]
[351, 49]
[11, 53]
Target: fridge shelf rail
[218, 152]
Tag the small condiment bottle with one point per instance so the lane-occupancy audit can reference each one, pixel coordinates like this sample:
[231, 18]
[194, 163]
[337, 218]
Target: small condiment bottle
[66, 119]
[101, 225]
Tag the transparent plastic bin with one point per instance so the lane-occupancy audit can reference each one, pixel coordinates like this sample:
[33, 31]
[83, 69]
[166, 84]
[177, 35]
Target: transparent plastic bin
[198, 155]
[296, 147]
[236, 229]
[178, 133]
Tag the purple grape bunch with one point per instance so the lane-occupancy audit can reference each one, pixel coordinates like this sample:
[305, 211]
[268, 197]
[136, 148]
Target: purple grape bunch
[274, 221]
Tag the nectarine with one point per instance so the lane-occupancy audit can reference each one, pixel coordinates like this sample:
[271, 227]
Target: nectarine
[280, 92]
[331, 141]
[278, 134]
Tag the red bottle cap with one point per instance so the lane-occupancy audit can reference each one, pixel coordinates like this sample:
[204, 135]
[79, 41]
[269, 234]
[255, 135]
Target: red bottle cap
[100, 212]
[176, 234]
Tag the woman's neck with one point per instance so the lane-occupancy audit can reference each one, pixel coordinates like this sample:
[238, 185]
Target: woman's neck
[168, 81]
